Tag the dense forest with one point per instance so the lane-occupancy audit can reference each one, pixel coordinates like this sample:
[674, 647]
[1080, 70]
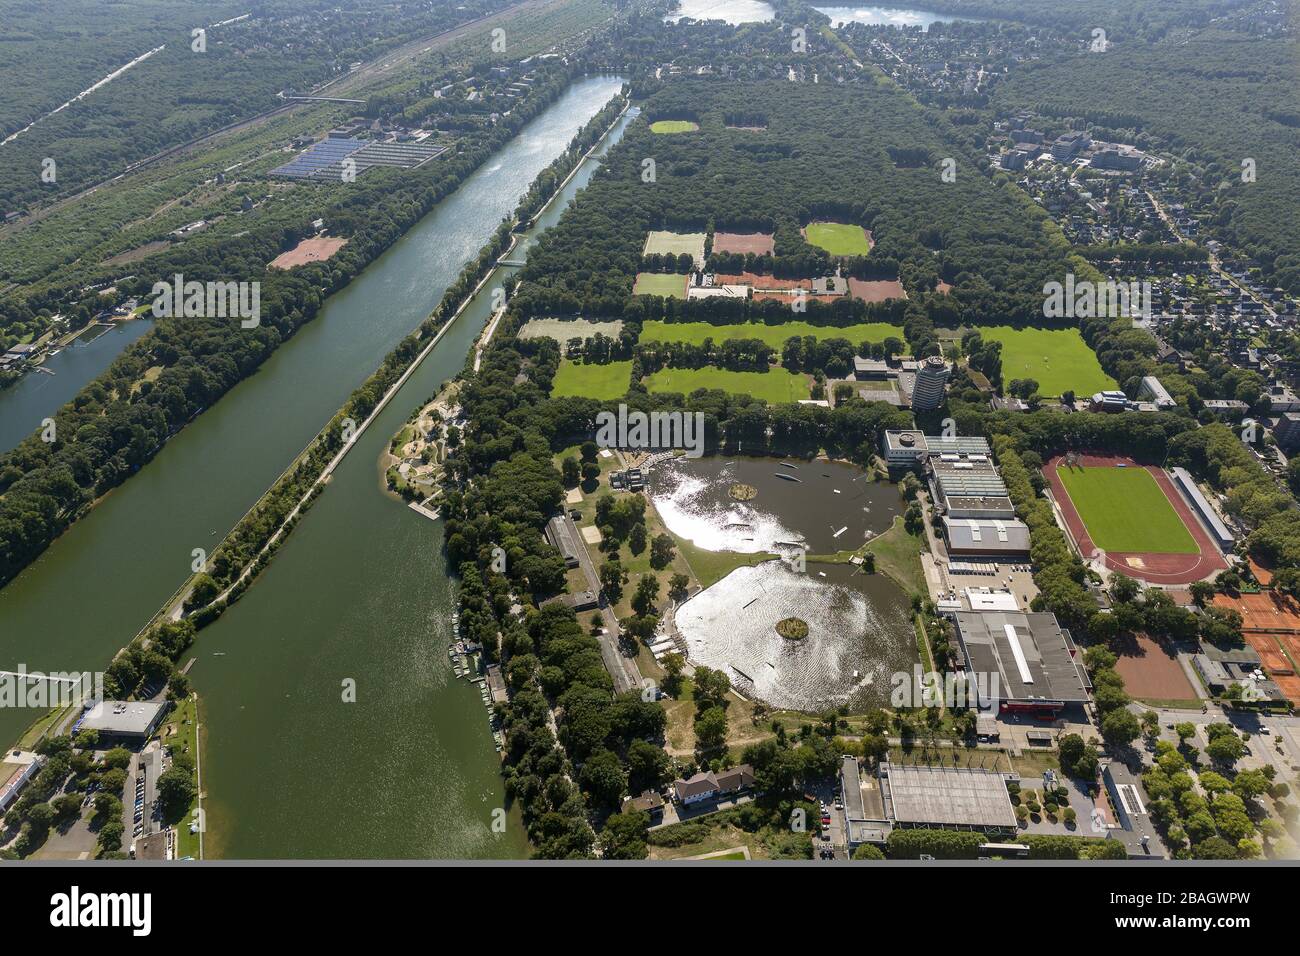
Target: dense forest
[815, 160]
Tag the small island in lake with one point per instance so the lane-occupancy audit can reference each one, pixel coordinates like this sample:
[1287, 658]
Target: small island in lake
[742, 492]
[792, 628]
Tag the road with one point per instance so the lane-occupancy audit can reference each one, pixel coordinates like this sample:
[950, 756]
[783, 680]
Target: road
[621, 667]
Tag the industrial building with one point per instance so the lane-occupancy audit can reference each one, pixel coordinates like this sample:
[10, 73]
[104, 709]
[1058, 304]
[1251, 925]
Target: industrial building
[903, 797]
[1038, 667]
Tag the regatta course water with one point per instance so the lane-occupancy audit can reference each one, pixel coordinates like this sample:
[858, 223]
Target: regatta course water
[359, 592]
[414, 753]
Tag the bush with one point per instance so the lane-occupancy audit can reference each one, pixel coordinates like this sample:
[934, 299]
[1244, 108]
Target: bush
[679, 834]
[940, 844]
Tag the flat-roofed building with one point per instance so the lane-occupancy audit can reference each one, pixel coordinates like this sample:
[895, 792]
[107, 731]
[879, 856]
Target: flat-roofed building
[994, 537]
[989, 599]
[17, 768]
[969, 486]
[133, 720]
[1129, 798]
[954, 797]
[1287, 431]
[1035, 660]
[1186, 485]
[908, 449]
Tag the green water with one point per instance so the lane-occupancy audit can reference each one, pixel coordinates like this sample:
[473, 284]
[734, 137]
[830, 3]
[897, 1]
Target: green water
[409, 769]
[359, 592]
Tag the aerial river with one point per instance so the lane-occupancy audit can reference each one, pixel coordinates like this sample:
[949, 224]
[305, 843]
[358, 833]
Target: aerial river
[359, 591]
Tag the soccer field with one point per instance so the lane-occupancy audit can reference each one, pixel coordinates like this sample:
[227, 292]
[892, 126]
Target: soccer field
[664, 284]
[775, 386]
[838, 238]
[1059, 360]
[601, 382]
[656, 330]
[1125, 510]
[673, 126]
[663, 242]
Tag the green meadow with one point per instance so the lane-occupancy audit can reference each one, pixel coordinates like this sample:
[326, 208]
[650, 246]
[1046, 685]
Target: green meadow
[695, 333]
[654, 283]
[673, 126]
[838, 238]
[775, 386]
[1058, 360]
[601, 382]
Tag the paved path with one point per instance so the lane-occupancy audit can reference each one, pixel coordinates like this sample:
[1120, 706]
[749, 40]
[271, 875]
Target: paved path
[621, 667]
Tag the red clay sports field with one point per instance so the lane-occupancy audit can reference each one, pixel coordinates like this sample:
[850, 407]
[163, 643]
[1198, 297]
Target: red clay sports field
[1154, 568]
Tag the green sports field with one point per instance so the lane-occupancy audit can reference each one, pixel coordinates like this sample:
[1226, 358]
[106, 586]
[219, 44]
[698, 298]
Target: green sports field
[655, 283]
[1125, 510]
[673, 126]
[838, 238]
[1058, 360]
[775, 386]
[667, 243]
[695, 333]
[592, 381]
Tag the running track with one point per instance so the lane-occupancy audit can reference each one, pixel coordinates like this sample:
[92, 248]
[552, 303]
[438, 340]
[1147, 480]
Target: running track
[1169, 569]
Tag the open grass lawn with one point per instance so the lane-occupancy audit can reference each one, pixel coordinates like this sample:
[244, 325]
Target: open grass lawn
[183, 721]
[664, 242]
[838, 238]
[776, 385]
[592, 381]
[898, 555]
[1125, 510]
[710, 567]
[654, 283]
[1057, 359]
[673, 126]
[657, 330]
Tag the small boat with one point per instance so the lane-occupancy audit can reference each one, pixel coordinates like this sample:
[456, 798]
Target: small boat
[788, 477]
[786, 464]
